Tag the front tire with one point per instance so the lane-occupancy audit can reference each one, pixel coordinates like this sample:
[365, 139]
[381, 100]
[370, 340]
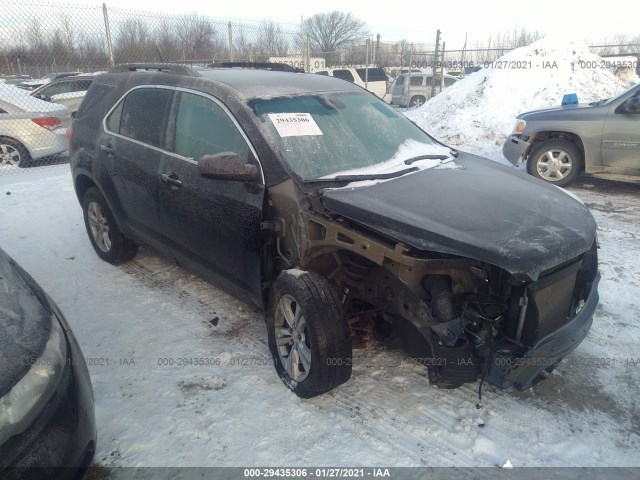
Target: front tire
[556, 161]
[106, 238]
[308, 335]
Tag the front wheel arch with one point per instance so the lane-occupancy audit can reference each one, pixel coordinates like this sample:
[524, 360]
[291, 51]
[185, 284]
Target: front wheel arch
[321, 334]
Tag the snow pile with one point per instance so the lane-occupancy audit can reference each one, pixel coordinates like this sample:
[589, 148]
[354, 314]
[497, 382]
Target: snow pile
[478, 112]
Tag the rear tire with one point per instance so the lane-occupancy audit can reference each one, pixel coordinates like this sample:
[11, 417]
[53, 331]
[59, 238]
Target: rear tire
[308, 335]
[417, 101]
[12, 152]
[106, 238]
[556, 161]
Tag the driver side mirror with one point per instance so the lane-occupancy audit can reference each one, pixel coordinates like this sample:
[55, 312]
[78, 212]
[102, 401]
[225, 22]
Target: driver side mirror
[227, 166]
[631, 105]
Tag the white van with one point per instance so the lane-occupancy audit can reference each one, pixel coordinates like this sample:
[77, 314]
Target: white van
[415, 92]
[372, 78]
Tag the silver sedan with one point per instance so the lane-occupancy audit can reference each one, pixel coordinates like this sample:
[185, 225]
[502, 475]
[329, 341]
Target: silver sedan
[30, 129]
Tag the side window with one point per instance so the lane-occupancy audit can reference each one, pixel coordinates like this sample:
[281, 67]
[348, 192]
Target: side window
[204, 128]
[55, 89]
[96, 93]
[80, 85]
[142, 115]
[323, 72]
[417, 80]
[343, 75]
[449, 81]
[113, 122]
[373, 74]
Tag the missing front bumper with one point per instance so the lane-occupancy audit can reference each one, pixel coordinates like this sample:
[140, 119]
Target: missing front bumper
[510, 365]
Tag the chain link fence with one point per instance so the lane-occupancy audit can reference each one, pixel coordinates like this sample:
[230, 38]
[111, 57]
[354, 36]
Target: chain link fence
[50, 52]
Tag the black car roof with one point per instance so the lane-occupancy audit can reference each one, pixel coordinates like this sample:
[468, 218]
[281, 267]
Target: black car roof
[250, 83]
[244, 83]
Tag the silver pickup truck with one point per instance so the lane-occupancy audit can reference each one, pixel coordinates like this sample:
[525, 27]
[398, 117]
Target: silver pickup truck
[600, 138]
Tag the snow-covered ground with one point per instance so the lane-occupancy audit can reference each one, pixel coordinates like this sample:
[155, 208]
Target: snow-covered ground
[145, 328]
[477, 113]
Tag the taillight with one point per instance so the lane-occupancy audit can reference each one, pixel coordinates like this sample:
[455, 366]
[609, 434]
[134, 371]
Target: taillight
[50, 123]
[68, 133]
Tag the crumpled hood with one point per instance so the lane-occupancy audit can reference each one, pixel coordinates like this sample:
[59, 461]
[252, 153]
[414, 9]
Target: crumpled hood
[483, 210]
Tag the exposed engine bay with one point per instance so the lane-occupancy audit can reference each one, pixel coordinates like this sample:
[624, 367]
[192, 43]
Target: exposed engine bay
[466, 320]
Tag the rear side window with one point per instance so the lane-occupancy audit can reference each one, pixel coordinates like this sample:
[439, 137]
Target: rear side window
[375, 74]
[416, 81]
[80, 85]
[204, 128]
[56, 89]
[143, 115]
[343, 75]
[96, 92]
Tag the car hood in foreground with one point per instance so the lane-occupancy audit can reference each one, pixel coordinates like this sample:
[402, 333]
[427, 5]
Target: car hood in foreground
[25, 322]
[480, 210]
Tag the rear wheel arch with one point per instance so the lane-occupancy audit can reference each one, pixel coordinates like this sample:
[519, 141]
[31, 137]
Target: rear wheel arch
[83, 183]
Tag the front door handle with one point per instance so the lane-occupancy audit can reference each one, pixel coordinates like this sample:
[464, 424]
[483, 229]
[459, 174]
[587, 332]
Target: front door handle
[171, 179]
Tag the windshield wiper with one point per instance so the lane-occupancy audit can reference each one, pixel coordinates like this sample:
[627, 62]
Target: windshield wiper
[356, 178]
[438, 156]
[425, 157]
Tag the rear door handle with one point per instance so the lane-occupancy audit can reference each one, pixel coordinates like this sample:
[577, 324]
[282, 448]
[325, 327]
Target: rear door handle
[107, 149]
[171, 179]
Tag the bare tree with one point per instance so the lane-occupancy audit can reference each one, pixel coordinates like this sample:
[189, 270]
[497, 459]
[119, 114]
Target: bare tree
[402, 49]
[271, 39]
[335, 31]
[133, 41]
[198, 36]
[68, 32]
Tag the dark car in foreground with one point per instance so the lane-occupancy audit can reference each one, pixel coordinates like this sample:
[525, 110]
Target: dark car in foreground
[601, 138]
[315, 200]
[47, 423]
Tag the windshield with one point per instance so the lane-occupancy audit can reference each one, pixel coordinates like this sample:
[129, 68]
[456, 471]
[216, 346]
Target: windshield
[620, 95]
[321, 135]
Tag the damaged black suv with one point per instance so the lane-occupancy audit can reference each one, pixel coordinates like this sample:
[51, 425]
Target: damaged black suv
[315, 200]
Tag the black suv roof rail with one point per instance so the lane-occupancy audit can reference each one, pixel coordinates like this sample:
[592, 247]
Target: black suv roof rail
[280, 67]
[155, 67]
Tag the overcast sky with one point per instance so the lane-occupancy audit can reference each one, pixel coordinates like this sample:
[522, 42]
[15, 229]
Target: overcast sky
[418, 20]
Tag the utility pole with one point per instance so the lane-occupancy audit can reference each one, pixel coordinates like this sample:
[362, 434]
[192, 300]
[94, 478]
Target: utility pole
[442, 67]
[231, 53]
[377, 55]
[435, 62]
[108, 33]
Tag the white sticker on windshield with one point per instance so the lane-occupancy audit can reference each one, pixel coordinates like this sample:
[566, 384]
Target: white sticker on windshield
[295, 124]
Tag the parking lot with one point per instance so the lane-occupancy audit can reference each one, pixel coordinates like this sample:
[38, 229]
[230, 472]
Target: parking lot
[175, 387]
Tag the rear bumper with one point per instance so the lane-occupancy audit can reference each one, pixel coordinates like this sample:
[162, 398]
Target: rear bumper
[399, 100]
[46, 143]
[514, 149]
[509, 367]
